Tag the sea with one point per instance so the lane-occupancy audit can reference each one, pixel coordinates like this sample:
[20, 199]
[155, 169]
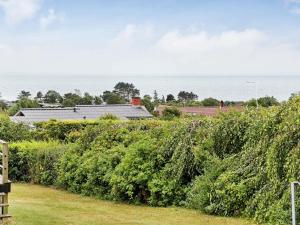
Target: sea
[235, 88]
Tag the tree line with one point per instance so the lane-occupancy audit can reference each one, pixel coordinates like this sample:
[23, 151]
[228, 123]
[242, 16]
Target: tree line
[120, 94]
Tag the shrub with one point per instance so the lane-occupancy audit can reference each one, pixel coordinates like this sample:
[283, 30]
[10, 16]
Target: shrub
[34, 161]
[170, 113]
[10, 131]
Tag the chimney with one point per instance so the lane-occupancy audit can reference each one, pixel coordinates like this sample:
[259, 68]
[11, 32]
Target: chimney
[136, 101]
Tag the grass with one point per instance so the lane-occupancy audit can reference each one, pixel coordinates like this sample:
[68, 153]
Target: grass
[37, 205]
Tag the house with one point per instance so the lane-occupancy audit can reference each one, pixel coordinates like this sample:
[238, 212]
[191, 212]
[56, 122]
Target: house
[201, 110]
[81, 112]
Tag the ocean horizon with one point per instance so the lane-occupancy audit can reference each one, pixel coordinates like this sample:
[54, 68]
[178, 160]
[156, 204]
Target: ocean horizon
[236, 88]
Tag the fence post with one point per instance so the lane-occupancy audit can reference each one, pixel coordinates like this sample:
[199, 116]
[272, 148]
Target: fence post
[5, 175]
[293, 199]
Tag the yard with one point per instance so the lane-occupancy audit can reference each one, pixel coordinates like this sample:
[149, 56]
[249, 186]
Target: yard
[37, 205]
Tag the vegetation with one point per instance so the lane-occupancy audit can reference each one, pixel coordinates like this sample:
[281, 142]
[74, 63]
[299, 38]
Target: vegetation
[52, 207]
[234, 164]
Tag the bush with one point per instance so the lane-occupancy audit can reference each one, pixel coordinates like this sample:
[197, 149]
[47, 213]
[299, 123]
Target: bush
[10, 131]
[170, 113]
[34, 162]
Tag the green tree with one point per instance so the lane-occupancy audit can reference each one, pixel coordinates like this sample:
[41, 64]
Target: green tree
[126, 90]
[39, 96]
[97, 100]
[170, 113]
[3, 105]
[170, 98]
[22, 103]
[155, 98]
[147, 102]
[186, 96]
[111, 97]
[52, 97]
[24, 94]
[210, 102]
[87, 99]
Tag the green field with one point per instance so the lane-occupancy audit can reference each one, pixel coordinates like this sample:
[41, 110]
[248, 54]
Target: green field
[37, 205]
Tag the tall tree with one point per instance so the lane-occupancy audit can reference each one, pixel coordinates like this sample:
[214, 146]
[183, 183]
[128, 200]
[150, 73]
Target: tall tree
[126, 90]
[111, 97]
[155, 98]
[39, 96]
[170, 98]
[24, 94]
[52, 97]
[186, 96]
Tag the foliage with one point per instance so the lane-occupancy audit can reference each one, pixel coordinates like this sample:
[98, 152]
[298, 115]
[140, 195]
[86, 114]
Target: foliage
[34, 162]
[170, 98]
[111, 97]
[171, 112]
[266, 101]
[126, 90]
[52, 97]
[22, 103]
[234, 164]
[185, 96]
[10, 131]
[147, 102]
[109, 117]
[210, 102]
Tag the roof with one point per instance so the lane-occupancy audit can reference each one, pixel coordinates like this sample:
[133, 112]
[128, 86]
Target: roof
[80, 112]
[202, 110]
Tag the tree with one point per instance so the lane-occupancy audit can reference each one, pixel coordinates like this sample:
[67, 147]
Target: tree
[155, 98]
[39, 96]
[170, 98]
[126, 90]
[97, 100]
[3, 105]
[24, 94]
[110, 97]
[147, 102]
[71, 99]
[23, 103]
[210, 102]
[170, 113]
[266, 101]
[87, 99]
[186, 96]
[52, 97]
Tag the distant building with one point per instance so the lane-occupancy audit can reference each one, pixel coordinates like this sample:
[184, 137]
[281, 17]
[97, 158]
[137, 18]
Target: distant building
[81, 112]
[201, 110]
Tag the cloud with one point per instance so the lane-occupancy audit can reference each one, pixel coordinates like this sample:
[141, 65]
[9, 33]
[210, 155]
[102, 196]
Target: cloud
[50, 19]
[17, 11]
[176, 52]
[203, 42]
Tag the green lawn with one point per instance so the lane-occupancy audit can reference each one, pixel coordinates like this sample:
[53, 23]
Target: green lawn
[37, 205]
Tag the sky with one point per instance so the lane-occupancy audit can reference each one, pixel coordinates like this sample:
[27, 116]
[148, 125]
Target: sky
[157, 37]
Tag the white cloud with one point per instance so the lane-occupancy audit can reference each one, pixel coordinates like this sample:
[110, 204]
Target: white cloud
[16, 11]
[50, 19]
[201, 41]
[235, 52]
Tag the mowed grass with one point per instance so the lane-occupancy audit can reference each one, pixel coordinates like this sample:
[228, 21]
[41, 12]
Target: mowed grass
[37, 205]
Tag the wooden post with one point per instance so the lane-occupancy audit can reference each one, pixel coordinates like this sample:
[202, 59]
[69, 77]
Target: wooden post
[5, 175]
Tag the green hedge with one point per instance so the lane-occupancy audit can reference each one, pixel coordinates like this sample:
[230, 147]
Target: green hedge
[235, 164]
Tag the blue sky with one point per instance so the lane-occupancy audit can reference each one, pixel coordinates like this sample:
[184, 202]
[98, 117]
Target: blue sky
[157, 37]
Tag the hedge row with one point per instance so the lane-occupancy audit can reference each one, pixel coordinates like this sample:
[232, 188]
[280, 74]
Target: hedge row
[237, 164]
